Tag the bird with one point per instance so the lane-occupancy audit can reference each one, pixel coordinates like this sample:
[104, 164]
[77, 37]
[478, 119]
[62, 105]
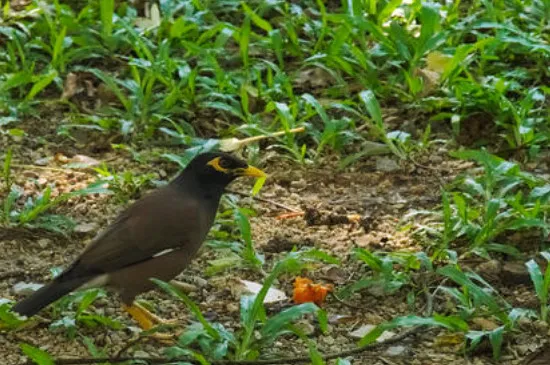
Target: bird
[155, 237]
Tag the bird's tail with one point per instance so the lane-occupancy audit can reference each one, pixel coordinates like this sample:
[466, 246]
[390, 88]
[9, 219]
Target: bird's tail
[48, 294]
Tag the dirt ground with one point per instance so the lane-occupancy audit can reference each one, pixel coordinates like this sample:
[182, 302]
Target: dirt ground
[381, 198]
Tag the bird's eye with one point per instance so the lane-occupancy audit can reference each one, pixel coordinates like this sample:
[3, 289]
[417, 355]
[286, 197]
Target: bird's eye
[224, 163]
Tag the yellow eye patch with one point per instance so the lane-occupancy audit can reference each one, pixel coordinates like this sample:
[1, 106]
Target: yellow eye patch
[215, 163]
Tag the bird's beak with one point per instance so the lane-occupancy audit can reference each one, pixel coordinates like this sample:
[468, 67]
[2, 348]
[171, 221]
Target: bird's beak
[251, 171]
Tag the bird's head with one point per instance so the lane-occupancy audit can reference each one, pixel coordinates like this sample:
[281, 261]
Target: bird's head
[218, 168]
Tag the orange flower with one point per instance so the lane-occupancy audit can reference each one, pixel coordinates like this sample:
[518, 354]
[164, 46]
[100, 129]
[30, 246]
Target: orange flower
[306, 292]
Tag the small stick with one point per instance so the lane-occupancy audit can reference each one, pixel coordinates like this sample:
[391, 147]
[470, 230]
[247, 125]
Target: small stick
[276, 134]
[290, 215]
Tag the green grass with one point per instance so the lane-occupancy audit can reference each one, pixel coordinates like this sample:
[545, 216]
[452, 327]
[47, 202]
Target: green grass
[356, 74]
[244, 63]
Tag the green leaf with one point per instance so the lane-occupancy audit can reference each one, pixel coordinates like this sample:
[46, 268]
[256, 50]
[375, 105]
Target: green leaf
[256, 19]
[310, 99]
[15, 80]
[369, 258]
[371, 104]
[479, 294]
[244, 41]
[89, 297]
[287, 120]
[229, 260]
[537, 279]
[317, 254]
[38, 356]
[8, 319]
[314, 355]
[496, 337]
[274, 325]
[175, 292]
[106, 10]
[244, 226]
[58, 46]
[258, 185]
[43, 81]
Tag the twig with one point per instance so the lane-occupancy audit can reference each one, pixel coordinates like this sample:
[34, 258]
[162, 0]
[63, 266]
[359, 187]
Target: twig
[282, 206]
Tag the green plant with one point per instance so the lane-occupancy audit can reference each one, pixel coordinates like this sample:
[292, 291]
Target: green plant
[36, 355]
[6, 172]
[236, 254]
[390, 271]
[475, 298]
[541, 282]
[124, 186]
[33, 212]
[215, 340]
[485, 207]
[74, 310]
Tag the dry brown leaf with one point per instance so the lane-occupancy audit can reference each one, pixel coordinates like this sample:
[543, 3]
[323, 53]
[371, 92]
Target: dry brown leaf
[485, 324]
[70, 87]
[449, 339]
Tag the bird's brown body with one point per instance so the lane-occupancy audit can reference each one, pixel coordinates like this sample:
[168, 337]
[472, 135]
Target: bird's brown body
[142, 244]
[156, 237]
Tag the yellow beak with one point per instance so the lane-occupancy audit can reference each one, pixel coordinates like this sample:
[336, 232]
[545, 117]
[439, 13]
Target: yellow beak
[252, 171]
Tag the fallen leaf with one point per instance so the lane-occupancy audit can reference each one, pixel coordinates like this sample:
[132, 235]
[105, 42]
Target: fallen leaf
[273, 295]
[70, 87]
[151, 20]
[86, 227]
[61, 158]
[366, 329]
[449, 339]
[485, 324]
[81, 162]
[306, 292]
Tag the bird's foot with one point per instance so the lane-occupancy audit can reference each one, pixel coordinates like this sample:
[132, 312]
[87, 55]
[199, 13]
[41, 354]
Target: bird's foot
[148, 320]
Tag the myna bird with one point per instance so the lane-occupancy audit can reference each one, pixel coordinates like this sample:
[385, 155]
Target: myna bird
[156, 237]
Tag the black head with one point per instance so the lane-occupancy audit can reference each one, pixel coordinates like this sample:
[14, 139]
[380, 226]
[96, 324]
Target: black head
[215, 170]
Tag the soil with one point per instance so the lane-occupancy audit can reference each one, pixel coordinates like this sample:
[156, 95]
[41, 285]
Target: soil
[380, 199]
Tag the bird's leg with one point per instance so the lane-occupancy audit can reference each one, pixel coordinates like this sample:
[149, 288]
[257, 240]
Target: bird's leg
[147, 320]
[153, 317]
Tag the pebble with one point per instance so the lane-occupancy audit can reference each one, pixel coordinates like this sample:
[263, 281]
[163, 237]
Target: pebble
[386, 164]
[84, 228]
[436, 159]
[307, 328]
[298, 184]
[232, 307]
[540, 326]
[43, 243]
[328, 340]
[200, 282]
[41, 182]
[396, 350]
[23, 288]
[141, 353]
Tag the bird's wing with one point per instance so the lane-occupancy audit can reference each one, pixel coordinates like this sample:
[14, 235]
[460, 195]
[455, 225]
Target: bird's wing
[161, 221]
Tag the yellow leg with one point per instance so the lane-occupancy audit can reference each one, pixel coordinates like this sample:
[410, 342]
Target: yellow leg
[147, 320]
[153, 317]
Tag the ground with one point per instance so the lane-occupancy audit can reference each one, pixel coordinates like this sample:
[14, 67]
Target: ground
[382, 199]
